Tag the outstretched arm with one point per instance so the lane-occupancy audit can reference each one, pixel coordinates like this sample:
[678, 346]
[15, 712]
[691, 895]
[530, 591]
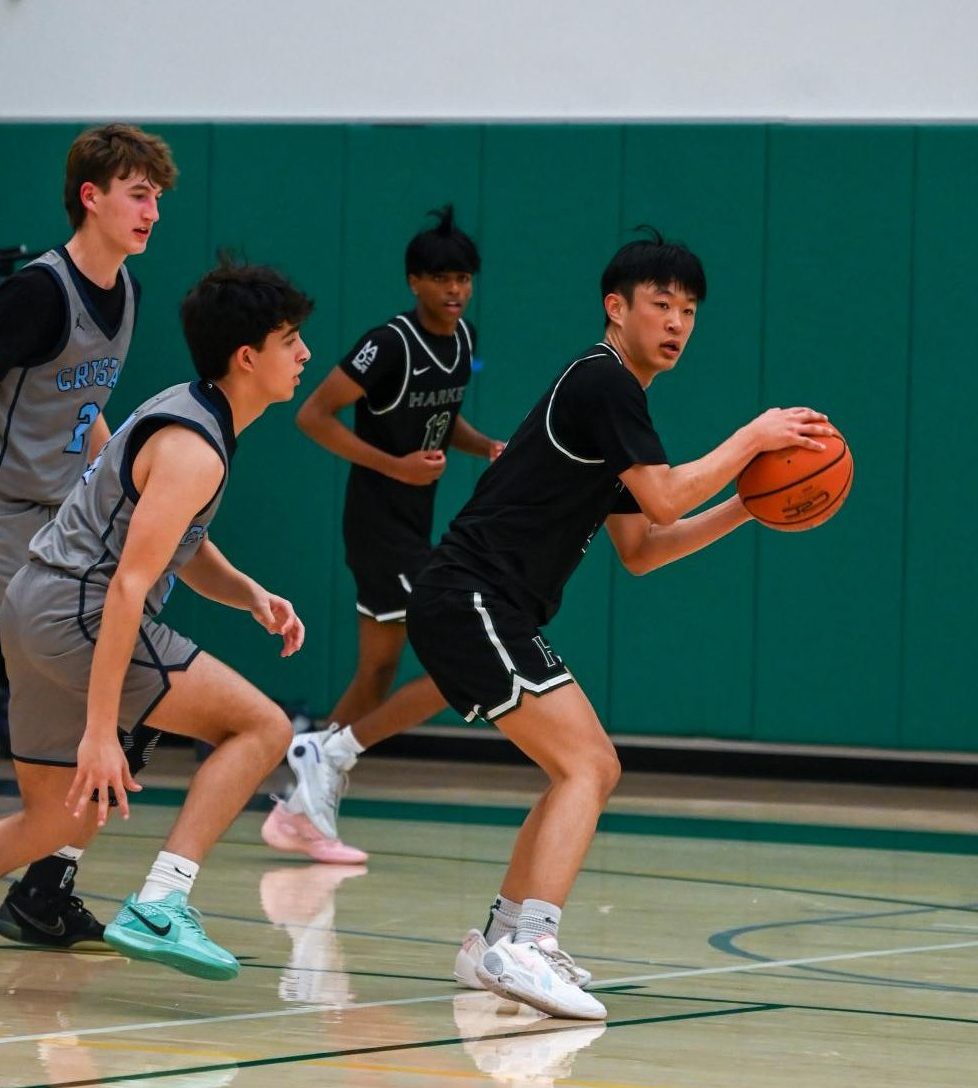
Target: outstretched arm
[176, 474]
[665, 493]
[643, 547]
[467, 439]
[213, 576]
[317, 419]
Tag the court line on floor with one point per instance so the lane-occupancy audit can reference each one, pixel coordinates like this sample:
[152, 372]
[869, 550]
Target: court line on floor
[306, 1010]
[394, 1048]
[739, 968]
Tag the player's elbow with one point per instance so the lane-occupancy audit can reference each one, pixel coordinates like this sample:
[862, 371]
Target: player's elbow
[633, 565]
[662, 511]
[304, 419]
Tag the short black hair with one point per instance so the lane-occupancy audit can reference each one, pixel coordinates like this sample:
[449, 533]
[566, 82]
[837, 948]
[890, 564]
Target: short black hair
[653, 260]
[442, 248]
[234, 305]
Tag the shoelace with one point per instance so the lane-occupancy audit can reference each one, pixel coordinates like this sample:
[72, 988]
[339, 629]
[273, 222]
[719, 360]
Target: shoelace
[193, 918]
[74, 905]
[562, 962]
[332, 791]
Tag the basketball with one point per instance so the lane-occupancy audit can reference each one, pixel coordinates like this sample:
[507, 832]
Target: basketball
[795, 489]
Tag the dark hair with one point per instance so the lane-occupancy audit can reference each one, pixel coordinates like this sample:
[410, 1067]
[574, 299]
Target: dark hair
[235, 305]
[441, 248]
[114, 151]
[653, 260]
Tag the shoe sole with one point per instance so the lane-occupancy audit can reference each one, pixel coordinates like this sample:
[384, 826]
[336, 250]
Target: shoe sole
[499, 987]
[138, 947]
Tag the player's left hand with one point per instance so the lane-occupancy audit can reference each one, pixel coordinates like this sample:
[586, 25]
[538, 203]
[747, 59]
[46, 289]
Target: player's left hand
[278, 617]
[495, 448]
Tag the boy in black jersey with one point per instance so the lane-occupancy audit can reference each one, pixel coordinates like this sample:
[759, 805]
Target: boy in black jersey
[585, 455]
[66, 322]
[407, 379]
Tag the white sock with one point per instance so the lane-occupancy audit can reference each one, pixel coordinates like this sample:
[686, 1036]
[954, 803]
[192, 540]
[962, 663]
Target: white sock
[69, 853]
[169, 873]
[344, 748]
[504, 914]
[538, 918]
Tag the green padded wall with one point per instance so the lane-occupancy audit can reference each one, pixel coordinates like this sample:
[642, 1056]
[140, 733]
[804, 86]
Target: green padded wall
[839, 262]
[940, 587]
[836, 336]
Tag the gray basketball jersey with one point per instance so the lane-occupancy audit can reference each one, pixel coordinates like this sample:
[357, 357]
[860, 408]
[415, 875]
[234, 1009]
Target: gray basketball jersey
[85, 540]
[46, 411]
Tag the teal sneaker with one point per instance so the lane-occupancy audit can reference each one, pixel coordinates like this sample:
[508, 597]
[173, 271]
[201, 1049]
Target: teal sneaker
[169, 931]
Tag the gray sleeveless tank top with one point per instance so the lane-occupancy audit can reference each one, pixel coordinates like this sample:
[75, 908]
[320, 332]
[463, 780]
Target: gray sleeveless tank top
[85, 540]
[46, 411]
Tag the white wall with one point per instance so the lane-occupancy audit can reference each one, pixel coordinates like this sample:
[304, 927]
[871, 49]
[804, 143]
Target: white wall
[471, 59]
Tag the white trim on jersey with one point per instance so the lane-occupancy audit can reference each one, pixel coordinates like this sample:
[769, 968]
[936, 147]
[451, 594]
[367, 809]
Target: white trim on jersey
[381, 617]
[550, 404]
[520, 684]
[402, 578]
[407, 375]
[468, 335]
[432, 355]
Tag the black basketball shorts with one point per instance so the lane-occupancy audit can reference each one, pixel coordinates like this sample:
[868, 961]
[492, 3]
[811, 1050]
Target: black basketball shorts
[384, 585]
[482, 653]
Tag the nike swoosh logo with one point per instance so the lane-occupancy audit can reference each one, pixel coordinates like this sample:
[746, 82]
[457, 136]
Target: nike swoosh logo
[422, 370]
[160, 931]
[181, 872]
[51, 931]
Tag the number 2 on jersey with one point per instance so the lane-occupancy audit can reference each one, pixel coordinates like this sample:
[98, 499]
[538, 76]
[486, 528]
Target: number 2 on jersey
[434, 430]
[87, 415]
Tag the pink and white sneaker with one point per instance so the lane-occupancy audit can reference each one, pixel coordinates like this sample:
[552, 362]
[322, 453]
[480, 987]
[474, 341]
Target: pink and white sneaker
[296, 834]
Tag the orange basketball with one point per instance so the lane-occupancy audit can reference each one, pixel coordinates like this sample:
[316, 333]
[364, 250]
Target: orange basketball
[796, 489]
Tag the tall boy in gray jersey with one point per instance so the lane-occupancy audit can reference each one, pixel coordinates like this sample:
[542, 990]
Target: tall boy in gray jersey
[85, 653]
[66, 322]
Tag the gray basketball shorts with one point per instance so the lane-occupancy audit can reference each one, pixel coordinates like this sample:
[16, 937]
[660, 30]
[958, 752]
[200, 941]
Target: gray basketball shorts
[19, 521]
[482, 653]
[48, 629]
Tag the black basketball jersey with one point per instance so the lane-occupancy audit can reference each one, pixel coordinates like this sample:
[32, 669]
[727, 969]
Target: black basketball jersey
[414, 383]
[537, 507]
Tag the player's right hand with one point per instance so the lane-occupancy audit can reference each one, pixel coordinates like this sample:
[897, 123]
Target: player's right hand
[421, 467]
[778, 428]
[102, 766]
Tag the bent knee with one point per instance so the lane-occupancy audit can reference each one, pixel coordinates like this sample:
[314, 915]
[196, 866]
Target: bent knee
[607, 770]
[279, 733]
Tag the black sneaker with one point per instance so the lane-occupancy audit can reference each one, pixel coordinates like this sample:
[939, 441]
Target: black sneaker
[59, 920]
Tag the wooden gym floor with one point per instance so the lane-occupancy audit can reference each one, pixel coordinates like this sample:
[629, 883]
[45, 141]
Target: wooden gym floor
[742, 934]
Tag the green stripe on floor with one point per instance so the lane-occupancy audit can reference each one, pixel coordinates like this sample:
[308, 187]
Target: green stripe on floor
[623, 823]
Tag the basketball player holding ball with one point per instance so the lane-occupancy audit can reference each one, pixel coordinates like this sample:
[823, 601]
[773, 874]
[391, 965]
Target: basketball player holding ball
[586, 455]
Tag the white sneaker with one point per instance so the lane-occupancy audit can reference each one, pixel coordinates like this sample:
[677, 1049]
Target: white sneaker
[320, 781]
[524, 972]
[497, 1042]
[468, 959]
[475, 946]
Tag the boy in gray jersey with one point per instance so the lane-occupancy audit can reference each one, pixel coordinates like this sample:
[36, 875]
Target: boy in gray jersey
[85, 653]
[66, 322]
